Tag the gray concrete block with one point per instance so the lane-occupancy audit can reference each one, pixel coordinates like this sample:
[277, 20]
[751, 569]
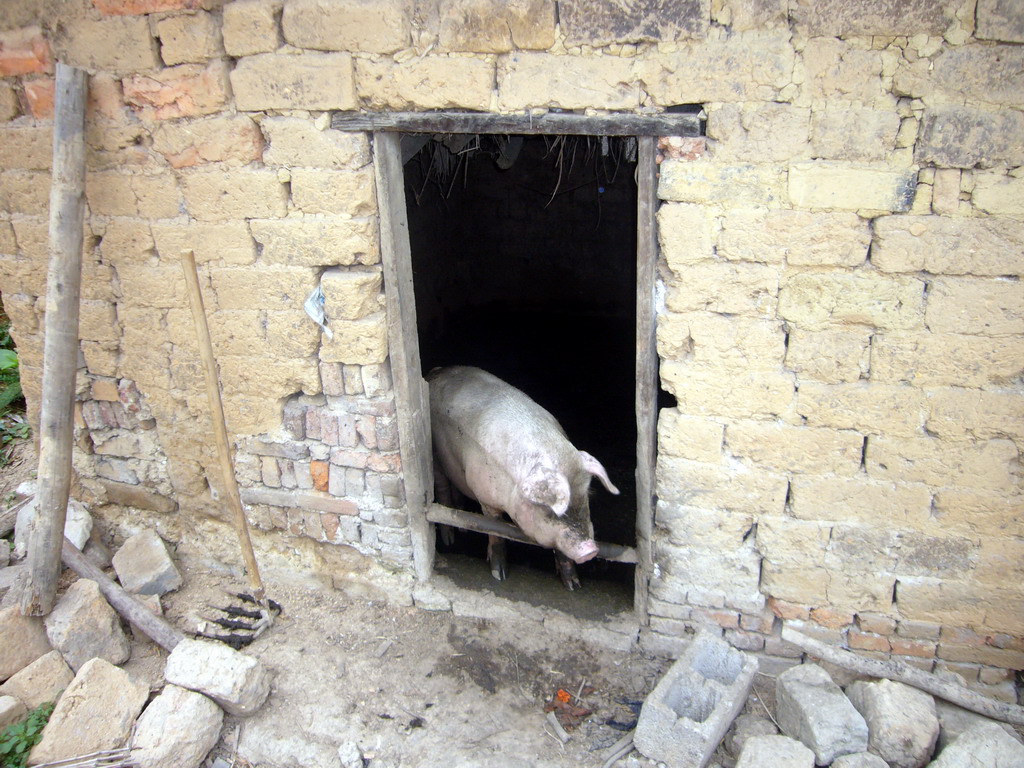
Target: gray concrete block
[691, 708]
[775, 752]
[814, 710]
[145, 567]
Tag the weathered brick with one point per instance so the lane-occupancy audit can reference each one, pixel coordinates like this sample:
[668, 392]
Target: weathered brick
[795, 584]
[299, 81]
[715, 486]
[295, 500]
[357, 342]
[292, 333]
[876, 623]
[528, 80]
[24, 51]
[430, 82]
[271, 378]
[945, 359]
[919, 630]
[233, 140]
[795, 237]
[317, 241]
[293, 141]
[835, 18]
[795, 449]
[113, 193]
[269, 288]
[138, 7]
[189, 38]
[968, 413]
[961, 137]
[946, 192]
[988, 465]
[334, 192]
[97, 321]
[685, 234]
[708, 181]
[26, 146]
[736, 68]
[991, 247]
[234, 194]
[832, 356]
[1001, 20]
[117, 45]
[729, 288]
[351, 295]
[705, 392]
[851, 134]
[971, 73]
[713, 529]
[374, 26]
[25, 192]
[838, 69]
[999, 195]
[862, 641]
[760, 133]
[831, 618]
[831, 185]
[869, 408]
[487, 26]
[158, 285]
[227, 243]
[817, 300]
[250, 26]
[856, 500]
[719, 341]
[187, 90]
[689, 437]
[9, 107]
[987, 307]
[585, 24]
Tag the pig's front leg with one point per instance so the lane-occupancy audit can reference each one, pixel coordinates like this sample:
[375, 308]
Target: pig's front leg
[496, 548]
[566, 570]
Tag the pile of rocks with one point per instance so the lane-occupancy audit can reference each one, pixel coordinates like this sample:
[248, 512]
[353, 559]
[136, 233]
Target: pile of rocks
[881, 724]
[71, 657]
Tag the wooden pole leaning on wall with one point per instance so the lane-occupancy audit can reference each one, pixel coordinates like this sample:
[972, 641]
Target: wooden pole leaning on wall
[60, 347]
[195, 296]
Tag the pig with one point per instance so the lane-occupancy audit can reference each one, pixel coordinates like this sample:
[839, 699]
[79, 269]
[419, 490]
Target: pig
[500, 448]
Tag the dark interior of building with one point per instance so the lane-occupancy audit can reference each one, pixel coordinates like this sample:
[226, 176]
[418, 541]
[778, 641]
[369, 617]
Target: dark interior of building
[524, 261]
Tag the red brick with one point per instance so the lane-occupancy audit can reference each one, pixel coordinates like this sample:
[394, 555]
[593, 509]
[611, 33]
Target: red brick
[39, 95]
[139, 7]
[726, 619]
[184, 91]
[347, 457]
[318, 471]
[863, 641]
[1009, 642]
[681, 148]
[330, 522]
[920, 648]
[788, 611]
[763, 623]
[24, 52]
[389, 463]
[830, 618]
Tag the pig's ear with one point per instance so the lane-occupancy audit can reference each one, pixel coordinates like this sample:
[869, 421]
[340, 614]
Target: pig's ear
[593, 466]
[547, 488]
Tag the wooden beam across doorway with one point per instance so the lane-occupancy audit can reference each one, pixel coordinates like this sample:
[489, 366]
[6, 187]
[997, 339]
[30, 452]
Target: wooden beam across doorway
[470, 521]
[559, 123]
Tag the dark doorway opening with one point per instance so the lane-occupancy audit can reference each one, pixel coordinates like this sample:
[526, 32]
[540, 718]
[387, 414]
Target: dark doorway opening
[524, 262]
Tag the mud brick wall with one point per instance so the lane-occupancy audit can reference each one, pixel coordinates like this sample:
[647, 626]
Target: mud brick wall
[840, 311]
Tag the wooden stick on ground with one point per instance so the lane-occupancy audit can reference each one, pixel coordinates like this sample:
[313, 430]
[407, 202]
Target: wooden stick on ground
[195, 295]
[60, 346]
[897, 670]
[155, 628]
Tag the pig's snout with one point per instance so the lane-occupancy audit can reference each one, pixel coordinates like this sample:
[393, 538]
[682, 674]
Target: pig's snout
[585, 551]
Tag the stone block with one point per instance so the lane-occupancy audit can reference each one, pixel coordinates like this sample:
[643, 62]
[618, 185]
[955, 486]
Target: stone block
[226, 242]
[987, 465]
[373, 26]
[237, 682]
[733, 288]
[178, 728]
[818, 300]
[83, 626]
[901, 721]
[685, 234]
[945, 359]
[975, 306]
[968, 413]
[962, 137]
[689, 437]
[9, 106]
[188, 90]
[860, 760]
[981, 745]
[358, 342]
[299, 81]
[293, 141]
[1001, 20]
[292, 333]
[315, 241]
[270, 288]
[855, 499]
[744, 728]
[11, 711]
[119, 45]
[706, 392]
[137, 496]
[795, 449]
[429, 82]
[970, 73]
[835, 18]
[25, 146]
[709, 181]
[851, 134]
[95, 713]
[114, 193]
[351, 295]
[999, 195]
[25, 192]
[841, 186]
[24, 51]
[351, 193]
[984, 247]
[234, 194]
[635, 22]
[250, 26]
[233, 139]
[953, 721]
[774, 752]
[691, 708]
[760, 133]
[144, 566]
[187, 39]
[77, 524]
[486, 26]
[799, 238]
[813, 709]
[138, 7]
[527, 80]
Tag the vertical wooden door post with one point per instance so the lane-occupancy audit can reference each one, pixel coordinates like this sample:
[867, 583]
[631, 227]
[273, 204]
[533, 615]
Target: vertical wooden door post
[60, 348]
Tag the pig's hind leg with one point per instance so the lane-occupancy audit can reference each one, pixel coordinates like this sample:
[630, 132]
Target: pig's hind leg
[496, 548]
[566, 570]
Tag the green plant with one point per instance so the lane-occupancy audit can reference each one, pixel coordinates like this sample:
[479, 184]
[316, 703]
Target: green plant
[17, 740]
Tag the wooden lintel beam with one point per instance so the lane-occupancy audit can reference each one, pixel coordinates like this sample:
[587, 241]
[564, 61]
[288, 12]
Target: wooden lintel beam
[555, 123]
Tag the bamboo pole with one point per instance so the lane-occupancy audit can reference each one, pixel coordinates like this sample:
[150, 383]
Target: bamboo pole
[195, 295]
[60, 346]
[903, 673]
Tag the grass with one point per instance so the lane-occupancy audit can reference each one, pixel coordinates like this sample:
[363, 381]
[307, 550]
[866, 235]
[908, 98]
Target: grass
[17, 740]
[13, 425]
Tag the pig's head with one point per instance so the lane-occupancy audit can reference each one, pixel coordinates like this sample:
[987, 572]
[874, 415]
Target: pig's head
[557, 509]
